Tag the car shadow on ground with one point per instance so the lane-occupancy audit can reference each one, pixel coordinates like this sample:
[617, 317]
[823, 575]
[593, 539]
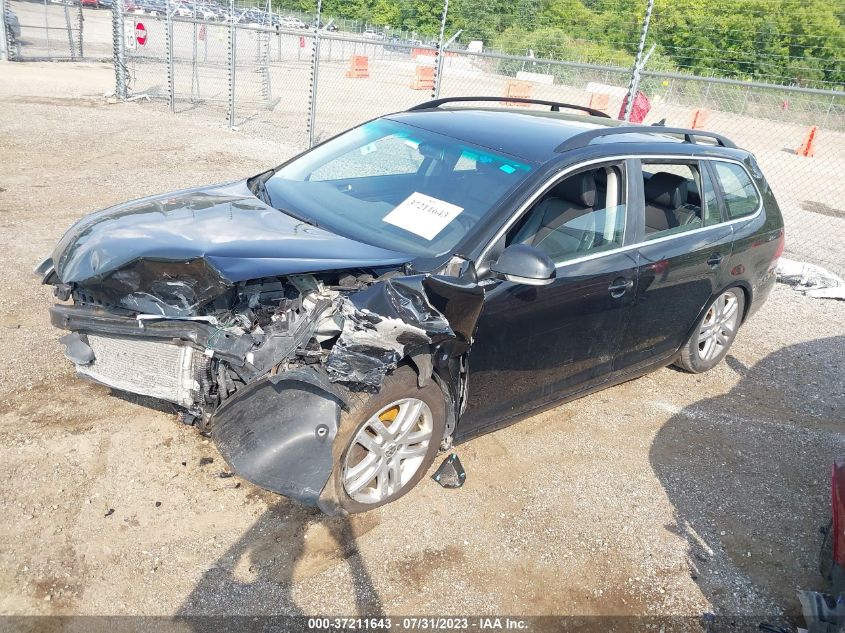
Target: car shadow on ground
[255, 576]
[750, 510]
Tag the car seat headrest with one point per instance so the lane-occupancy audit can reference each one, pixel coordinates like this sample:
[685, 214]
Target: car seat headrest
[579, 189]
[666, 190]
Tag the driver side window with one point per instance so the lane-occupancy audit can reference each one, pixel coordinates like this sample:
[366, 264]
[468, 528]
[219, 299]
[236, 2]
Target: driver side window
[580, 215]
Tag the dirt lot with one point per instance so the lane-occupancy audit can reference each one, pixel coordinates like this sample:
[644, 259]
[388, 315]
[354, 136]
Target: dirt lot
[672, 494]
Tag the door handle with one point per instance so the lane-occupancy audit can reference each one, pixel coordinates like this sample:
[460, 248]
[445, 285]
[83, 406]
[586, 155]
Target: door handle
[620, 286]
[715, 259]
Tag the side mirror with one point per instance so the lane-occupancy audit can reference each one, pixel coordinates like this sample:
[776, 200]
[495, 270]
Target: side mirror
[523, 264]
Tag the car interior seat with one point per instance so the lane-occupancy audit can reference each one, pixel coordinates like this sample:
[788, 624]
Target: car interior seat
[666, 203]
[551, 222]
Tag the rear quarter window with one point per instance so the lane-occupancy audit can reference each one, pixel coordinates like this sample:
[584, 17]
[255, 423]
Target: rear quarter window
[741, 197]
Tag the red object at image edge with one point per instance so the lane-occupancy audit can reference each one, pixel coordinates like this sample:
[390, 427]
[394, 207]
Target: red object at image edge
[838, 502]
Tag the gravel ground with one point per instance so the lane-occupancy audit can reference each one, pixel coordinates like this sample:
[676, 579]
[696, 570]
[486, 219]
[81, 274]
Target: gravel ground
[669, 495]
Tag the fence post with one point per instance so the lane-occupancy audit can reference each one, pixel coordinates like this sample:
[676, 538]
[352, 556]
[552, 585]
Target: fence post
[745, 100]
[71, 46]
[168, 50]
[315, 74]
[80, 20]
[827, 114]
[635, 71]
[4, 40]
[118, 49]
[195, 77]
[438, 53]
[231, 76]
[46, 28]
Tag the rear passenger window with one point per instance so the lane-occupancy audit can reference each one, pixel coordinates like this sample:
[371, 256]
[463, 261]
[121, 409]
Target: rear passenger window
[582, 214]
[679, 197]
[740, 194]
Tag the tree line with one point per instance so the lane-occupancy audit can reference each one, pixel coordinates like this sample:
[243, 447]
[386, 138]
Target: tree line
[791, 42]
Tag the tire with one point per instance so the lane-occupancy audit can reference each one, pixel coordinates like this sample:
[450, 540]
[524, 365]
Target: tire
[398, 401]
[714, 333]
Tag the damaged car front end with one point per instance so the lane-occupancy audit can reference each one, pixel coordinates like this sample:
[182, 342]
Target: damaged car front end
[266, 363]
[255, 323]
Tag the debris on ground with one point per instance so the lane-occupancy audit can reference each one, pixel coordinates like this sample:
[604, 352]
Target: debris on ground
[204, 461]
[109, 513]
[822, 612]
[451, 473]
[814, 281]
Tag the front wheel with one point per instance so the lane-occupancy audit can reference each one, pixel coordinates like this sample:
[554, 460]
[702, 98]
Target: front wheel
[385, 443]
[712, 338]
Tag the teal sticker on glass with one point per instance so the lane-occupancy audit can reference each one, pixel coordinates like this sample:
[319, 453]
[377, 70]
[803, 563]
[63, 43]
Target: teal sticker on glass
[507, 169]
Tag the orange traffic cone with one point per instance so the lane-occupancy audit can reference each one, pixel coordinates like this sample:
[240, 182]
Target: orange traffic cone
[699, 118]
[808, 147]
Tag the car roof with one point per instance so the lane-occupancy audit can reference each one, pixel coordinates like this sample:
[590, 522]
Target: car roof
[531, 135]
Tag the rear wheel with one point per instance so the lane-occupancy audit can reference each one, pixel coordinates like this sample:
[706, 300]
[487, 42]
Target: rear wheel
[714, 334]
[385, 444]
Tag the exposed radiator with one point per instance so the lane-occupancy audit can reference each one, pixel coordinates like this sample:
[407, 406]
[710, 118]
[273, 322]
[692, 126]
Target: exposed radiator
[151, 368]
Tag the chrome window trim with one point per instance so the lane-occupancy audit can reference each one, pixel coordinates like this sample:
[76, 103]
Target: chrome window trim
[606, 159]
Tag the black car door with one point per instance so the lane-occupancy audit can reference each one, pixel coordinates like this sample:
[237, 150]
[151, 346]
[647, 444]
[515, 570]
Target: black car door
[682, 259]
[537, 344]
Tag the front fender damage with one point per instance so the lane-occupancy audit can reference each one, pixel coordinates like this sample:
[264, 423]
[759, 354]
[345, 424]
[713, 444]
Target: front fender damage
[277, 432]
[285, 449]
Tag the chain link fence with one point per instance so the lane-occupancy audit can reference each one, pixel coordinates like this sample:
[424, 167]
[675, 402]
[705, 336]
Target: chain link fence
[44, 30]
[265, 74]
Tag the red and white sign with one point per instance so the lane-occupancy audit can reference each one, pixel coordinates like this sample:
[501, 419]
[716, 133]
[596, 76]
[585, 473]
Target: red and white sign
[140, 34]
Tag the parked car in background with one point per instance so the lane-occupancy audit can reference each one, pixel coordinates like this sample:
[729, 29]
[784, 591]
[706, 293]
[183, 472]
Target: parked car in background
[420, 279]
[91, 4]
[291, 22]
[325, 26]
[397, 44]
[105, 4]
[207, 13]
[370, 34]
[152, 7]
[184, 10]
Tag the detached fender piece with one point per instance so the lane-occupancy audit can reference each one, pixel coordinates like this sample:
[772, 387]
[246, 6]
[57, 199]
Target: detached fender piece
[278, 432]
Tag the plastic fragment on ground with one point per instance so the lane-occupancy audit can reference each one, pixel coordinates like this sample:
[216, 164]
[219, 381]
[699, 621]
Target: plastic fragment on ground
[451, 473]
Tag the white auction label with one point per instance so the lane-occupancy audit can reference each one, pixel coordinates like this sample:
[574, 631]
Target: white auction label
[423, 215]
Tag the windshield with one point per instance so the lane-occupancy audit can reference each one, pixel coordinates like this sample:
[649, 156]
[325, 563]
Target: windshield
[396, 186]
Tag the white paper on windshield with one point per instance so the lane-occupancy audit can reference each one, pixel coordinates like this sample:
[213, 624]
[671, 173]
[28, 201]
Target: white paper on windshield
[423, 215]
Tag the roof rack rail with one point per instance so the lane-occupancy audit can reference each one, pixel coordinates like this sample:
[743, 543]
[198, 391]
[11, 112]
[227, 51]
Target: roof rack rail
[555, 106]
[584, 138]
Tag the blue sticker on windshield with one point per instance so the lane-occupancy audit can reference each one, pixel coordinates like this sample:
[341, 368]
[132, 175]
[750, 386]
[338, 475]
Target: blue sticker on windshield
[507, 169]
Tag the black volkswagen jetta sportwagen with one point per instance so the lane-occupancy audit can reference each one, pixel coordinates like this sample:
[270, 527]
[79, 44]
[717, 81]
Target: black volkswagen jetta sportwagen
[423, 277]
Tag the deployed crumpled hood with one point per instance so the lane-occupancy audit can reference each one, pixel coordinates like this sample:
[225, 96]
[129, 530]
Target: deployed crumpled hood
[172, 252]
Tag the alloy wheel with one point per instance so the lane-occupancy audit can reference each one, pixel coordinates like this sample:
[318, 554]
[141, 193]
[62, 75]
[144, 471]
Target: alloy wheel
[719, 326]
[388, 450]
